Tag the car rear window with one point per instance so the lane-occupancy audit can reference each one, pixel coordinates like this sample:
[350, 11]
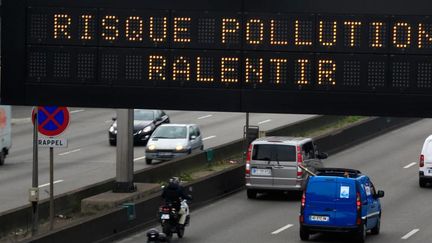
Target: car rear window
[322, 190]
[428, 152]
[274, 152]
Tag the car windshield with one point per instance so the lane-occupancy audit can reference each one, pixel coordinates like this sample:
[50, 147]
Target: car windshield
[143, 115]
[170, 132]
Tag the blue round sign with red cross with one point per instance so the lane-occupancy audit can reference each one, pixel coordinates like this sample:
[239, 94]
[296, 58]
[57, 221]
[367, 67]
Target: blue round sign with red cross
[52, 120]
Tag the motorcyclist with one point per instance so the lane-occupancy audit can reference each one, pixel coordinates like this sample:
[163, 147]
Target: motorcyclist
[174, 194]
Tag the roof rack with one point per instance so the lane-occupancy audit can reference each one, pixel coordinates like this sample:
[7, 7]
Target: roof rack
[338, 172]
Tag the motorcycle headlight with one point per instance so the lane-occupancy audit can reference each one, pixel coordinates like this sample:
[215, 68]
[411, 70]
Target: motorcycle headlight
[179, 147]
[151, 147]
[147, 129]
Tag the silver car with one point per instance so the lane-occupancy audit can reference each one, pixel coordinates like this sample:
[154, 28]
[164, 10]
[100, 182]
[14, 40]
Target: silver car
[170, 141]
[272, 163]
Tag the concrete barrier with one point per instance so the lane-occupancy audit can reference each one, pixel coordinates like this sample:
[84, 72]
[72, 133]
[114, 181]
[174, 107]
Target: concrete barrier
[335, 141]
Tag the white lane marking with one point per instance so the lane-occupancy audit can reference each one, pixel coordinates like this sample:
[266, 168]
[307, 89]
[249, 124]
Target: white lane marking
[207, 138]
[47, 184]
[204, 117]
[76, 111]
[262, 122]
[20, 120]
[282, 229]
[409, 165]
[139, 158]
[69, 152]
[411, 233]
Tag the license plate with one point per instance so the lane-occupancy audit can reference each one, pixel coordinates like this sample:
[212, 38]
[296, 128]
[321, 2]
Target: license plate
[164, 154]
[165, 216]
[261, 172]
[319, 218]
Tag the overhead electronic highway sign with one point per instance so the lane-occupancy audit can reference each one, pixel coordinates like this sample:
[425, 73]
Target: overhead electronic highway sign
[300, 56]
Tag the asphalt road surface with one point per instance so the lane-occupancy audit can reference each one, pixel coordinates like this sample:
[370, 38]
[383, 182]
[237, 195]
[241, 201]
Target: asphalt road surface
[390, 160]
[89, 158]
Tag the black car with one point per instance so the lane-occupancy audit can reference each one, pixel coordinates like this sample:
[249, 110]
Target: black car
[145, 122]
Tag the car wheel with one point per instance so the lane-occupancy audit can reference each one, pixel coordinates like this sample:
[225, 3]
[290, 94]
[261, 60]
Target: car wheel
[251, 194]
[361, 234]
[304, 234]
[202, 147]
[376, 230]
[2, 158]
[112, 142]
[422, 183]
[148, 161]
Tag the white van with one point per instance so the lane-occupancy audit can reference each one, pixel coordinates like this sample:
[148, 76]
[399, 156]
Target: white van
[425, 162]
[5, 132]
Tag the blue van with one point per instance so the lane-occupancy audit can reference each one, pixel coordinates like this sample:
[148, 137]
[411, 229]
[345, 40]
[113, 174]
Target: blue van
[340, 200]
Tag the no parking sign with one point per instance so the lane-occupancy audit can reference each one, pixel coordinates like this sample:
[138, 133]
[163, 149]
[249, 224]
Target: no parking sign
[52, 121]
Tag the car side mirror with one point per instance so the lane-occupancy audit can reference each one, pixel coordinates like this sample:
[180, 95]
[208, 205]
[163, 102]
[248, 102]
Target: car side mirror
[322, 155]
[379, 194]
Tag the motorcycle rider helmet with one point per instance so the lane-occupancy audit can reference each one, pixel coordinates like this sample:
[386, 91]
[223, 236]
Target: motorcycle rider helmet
[174, 180]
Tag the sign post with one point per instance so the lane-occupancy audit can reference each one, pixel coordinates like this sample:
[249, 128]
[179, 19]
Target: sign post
[51, 122]
[34, 191]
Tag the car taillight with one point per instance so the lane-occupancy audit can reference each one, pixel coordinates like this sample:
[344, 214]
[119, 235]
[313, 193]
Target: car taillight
[303, 203]
[299, 161]
[303, 200]
[359, 207]
[248, 159]
[421, 163]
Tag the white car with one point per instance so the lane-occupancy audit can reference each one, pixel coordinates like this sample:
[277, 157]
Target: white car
[425, 162]
[170, 141]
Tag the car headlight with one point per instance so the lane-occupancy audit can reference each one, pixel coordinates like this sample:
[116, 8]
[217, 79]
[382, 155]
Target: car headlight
[151, 147]
[179, 147]
[147, 129]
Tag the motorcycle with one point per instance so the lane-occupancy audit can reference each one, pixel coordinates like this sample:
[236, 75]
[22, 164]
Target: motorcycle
[169, 218]
[154, 236]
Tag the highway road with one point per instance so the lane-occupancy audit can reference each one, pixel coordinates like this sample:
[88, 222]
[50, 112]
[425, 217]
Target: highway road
[390, 160]
[89, 158]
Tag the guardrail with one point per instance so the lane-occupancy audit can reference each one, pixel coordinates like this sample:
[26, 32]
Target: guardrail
[222, 182]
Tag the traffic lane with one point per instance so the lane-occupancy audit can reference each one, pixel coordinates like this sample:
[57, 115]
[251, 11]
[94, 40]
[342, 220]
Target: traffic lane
[88, 158]
[236, 219]
[405, 206]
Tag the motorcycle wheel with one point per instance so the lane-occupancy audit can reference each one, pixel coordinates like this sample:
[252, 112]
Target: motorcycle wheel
[180, 231]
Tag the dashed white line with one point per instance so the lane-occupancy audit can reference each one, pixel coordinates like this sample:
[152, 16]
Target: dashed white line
[262, 122]
[69, 152]
[139, 158]
[47, 184]
[409, 165]
[207, 138]
[204, 117]
[411, 233]
[21, 120]
[76, 111]
[282, 229]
